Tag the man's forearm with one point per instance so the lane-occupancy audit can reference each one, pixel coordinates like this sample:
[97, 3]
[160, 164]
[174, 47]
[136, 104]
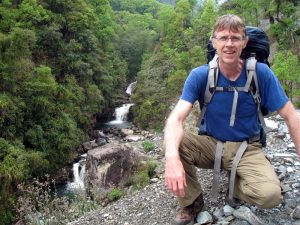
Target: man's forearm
[293, 124]
[172, 138]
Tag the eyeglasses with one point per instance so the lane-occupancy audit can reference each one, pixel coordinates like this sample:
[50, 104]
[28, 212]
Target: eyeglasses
[234, 39]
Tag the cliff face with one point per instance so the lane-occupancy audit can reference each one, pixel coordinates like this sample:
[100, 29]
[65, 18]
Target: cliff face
[155, 205]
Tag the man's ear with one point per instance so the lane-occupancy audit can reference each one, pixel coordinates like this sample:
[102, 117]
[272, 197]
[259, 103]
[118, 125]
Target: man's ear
[213, 41]
[245, 42]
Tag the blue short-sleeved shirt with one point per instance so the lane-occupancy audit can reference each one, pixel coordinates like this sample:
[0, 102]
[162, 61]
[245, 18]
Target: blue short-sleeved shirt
[217, 117]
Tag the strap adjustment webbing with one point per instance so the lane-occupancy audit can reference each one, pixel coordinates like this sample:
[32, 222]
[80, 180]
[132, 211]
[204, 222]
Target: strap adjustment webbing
[235, 163]
[217, 167]
[216, 173]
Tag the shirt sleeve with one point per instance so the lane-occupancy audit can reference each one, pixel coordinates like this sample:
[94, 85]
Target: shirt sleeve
[195, 84]
[272, 94]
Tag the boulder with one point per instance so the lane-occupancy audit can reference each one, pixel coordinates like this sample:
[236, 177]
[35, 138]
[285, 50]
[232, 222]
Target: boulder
[110, 165]
[126, 132]
[134, 138]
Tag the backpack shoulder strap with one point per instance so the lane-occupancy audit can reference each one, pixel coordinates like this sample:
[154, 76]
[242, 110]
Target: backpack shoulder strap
[251, 74]
[212, 78]
[253, 80]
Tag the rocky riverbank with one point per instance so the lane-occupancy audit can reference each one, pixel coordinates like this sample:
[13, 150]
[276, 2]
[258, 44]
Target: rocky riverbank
[155, 205]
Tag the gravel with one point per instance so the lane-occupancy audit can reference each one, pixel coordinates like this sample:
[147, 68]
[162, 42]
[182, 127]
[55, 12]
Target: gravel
[154, 205]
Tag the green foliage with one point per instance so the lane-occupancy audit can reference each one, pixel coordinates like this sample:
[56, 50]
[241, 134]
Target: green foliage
[287, 68]
[136, 6]
[148, 145]
[140, 180]
[181, 20]
[13, 167]
[115, 194]
[151, 166]
[12, 110]
[175, 82]
[136, 36]
[162, 75]
[59, 66]
[250, 16]
[203, 24]
[164, 17]
[149, 97]
[16, 165]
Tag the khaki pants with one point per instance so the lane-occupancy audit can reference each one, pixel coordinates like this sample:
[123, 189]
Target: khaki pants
[256, 181]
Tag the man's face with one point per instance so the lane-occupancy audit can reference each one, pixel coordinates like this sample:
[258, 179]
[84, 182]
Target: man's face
[229, 45]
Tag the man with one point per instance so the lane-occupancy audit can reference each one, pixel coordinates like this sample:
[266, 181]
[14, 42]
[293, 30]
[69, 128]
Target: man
[255, 181]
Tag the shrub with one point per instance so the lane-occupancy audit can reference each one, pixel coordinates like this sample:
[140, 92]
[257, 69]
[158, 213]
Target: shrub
[151, 166]
[140, 180]
[148, 146]
[143, 175]
[115, 194]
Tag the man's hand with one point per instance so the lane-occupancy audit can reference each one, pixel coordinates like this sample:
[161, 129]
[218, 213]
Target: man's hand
[175, 176]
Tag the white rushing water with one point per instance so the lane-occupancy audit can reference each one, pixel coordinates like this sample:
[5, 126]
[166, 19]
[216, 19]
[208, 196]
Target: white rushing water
[130, 88]
[121, 114]
[78, 174]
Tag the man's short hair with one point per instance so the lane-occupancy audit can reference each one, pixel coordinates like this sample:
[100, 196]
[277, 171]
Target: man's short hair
[231, 22]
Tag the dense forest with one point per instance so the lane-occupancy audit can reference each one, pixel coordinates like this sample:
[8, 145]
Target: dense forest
[63, 61]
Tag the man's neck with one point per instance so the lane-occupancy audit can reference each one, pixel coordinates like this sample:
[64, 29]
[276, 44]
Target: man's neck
[231, 72]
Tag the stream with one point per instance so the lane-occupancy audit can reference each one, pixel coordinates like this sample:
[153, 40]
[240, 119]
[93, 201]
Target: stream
[120, 121]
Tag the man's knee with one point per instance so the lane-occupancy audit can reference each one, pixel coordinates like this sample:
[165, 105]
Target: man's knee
[268, 195]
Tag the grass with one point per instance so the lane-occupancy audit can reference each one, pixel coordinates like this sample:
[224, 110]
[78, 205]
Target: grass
[148, 145]
[115, 194]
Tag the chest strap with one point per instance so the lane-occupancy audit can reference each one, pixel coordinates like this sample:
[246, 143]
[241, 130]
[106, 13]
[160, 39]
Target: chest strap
[217, 167]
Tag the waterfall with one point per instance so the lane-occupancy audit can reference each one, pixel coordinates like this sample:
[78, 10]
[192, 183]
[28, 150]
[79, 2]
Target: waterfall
[130, 88]
[78, 174]
[121, 114]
